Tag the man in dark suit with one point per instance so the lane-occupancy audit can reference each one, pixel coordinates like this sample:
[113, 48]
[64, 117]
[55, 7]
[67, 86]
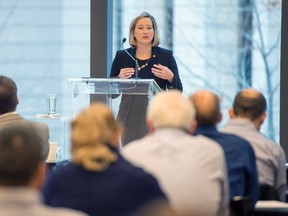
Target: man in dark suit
[8, 114]
[239, 154]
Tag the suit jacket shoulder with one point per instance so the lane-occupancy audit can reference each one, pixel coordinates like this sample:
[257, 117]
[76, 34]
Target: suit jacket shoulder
[162, 50]
[121, 54]
[41, 129]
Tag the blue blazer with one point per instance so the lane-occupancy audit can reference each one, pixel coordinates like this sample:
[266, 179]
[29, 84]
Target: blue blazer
[120, 190]
[240, 161]
[159, 56]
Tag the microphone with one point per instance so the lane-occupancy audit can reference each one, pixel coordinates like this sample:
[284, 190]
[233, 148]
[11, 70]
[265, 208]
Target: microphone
[135, 60]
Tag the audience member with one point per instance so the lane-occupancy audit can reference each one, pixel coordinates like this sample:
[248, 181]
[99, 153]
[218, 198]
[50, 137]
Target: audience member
[247, 116]
[99, 181]
[8, 114]
[191, 170]
[240, 157]
[22, 172]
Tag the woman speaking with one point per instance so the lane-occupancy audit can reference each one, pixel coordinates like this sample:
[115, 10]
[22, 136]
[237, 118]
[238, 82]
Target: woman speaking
[144, 60]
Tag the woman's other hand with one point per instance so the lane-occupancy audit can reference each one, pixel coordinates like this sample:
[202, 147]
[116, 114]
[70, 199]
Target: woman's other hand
[126, 73]
[162, 72]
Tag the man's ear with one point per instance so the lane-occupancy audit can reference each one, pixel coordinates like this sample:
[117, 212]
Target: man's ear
[192, 127]
[219, 117]
[231, 113]
[259, 121]
[150, 125]
[39, 176]
[262, 117]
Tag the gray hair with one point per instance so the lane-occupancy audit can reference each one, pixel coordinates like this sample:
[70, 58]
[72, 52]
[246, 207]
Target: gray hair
[171, 109]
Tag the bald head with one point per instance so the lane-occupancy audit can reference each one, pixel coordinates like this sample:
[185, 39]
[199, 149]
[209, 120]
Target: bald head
[249, 103]
[207, 107]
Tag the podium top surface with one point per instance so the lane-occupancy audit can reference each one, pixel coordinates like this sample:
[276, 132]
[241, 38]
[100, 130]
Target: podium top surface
[114, 86]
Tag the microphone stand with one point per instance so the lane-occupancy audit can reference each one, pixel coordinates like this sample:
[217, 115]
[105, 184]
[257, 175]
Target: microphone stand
[136, 69]
[135, 60]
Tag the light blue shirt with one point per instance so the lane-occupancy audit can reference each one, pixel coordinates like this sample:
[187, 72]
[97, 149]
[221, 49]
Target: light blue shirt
[270, 157]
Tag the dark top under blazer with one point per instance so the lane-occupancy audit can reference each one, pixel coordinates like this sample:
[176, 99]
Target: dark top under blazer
[159, 56]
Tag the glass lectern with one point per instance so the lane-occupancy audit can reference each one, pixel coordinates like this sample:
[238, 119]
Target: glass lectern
[127, 98]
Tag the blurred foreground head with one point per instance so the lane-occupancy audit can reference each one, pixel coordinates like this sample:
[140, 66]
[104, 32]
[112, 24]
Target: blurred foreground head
[170, 109]
[20, 155]
[94, 131]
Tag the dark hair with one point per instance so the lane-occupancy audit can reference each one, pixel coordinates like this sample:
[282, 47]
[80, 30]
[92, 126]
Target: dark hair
[8, 95]
[20, 154]
[251, 107]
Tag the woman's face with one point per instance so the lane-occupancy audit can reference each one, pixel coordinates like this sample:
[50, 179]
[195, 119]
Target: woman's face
[144, 31]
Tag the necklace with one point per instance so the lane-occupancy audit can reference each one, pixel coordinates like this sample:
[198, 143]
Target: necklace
[142, 66]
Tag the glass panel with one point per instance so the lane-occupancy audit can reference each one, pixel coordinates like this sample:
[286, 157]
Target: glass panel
[82, 88]
[43, 43]
[219, 45]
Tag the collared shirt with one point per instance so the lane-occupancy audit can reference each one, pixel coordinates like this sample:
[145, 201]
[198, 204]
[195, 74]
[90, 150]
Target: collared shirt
[270, 156]
[7, 114]
[191, 170]
[15, 201]
[240, 161]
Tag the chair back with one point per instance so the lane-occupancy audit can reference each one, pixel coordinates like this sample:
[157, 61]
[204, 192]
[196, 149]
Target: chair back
[268, 192]
[241, 206]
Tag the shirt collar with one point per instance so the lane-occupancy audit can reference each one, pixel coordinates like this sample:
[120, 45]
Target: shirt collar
[9, 113]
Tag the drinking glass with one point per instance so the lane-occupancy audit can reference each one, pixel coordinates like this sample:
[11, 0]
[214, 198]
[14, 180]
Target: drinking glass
[51, 103]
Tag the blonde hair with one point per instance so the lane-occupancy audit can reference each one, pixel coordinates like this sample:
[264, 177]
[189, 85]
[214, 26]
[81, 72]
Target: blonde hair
[132, 39]
[92, 131]
[171, 109]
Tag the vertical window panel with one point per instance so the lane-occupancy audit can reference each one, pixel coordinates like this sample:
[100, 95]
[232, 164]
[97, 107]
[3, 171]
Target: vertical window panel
[220, 45]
